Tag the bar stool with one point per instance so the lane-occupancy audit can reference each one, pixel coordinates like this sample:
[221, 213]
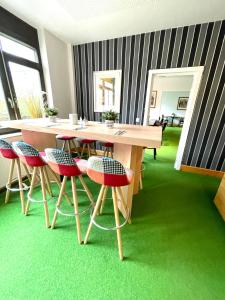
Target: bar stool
[65, 165]
[87, 144]
[108, 149]
[67, 141]
[32, 158]
[7, 151]
[109, 173]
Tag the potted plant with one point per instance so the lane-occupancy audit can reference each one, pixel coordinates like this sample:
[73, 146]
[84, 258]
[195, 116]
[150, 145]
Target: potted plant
[110, 117]
[51, 113]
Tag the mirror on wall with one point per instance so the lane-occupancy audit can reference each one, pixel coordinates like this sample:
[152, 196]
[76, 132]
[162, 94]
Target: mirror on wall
[107, 87]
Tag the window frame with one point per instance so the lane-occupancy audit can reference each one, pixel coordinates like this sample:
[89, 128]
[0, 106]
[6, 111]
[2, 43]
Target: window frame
[7, 81]
[117, 75]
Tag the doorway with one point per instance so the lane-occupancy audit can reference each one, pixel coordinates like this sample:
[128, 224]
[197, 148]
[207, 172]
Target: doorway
[185, 102]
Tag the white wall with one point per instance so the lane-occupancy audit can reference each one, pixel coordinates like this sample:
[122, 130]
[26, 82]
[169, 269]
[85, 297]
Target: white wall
[169, 103]
[168, 84]
[57, 60]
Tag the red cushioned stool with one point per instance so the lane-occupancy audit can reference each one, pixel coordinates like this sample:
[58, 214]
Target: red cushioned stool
[32, 158]
[69, 142]
[89, 145]
[108, 149]
[65, 165]
[109, 173]
[6, 151]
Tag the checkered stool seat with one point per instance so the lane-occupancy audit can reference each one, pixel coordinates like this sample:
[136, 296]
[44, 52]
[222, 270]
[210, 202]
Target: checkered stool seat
[37, 160]
[28, 154]
[64, 164]
[64, 137]
[108, 171]
[85, 141]
[107, 144]
[6, 150]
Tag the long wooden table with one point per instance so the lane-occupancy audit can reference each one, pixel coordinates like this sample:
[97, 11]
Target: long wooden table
[128, 147]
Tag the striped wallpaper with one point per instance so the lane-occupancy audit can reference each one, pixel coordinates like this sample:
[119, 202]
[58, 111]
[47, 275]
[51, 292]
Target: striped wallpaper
[195, 45]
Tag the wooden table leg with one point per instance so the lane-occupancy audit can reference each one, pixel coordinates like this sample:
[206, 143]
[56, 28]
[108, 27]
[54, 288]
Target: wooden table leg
[131, 157]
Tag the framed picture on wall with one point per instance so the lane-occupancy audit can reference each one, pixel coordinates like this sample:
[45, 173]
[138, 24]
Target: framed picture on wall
[182, 103]
[153, 99]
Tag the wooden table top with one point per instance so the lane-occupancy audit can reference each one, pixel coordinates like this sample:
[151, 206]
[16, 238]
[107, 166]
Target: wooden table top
[146, 136]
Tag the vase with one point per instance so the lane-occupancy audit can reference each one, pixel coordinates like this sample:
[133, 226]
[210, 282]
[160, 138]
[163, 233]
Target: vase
[52, 119]
[109, 123]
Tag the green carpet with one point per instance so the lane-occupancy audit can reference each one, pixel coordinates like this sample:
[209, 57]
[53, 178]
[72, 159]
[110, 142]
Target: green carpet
[175, 248]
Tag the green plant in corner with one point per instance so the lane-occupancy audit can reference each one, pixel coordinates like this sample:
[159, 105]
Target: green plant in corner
[51, 111]
[110, 115]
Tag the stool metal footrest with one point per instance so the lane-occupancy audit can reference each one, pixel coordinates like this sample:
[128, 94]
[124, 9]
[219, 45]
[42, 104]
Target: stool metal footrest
[73, 214]
[109, 228]
[41, 201]
[25, 188]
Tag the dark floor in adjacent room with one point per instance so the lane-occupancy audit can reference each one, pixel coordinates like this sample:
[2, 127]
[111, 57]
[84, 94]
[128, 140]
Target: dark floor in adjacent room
[175, 247]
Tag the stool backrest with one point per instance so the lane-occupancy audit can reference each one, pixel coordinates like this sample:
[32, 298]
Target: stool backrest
[6, 150]
[107, 171]
[62, 162]
[28, 154]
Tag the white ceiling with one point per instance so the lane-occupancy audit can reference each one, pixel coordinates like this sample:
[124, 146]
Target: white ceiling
[79, 21]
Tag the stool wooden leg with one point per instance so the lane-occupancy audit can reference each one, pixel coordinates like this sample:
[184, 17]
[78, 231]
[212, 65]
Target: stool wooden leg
[44, 197]
[75, 147]
[27, 172]
[89, 150]
[59, 185]
[104, 154]
[140, 181]
[47, 181]
[20, 185]
[76, 211]
[103, 199]
[117, 219]
[95, 152]
[120, 193]
[97, 205]
[64, 146]
[111, 151]
[31, 189]
[9, 183]
[69, 147]
[82, 152]
[59, 200]
[86, 189]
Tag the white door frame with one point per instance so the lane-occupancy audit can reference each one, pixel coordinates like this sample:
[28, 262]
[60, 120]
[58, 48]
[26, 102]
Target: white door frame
[197, 76]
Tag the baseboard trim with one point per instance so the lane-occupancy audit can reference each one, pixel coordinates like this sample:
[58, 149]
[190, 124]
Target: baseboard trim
[202, 171]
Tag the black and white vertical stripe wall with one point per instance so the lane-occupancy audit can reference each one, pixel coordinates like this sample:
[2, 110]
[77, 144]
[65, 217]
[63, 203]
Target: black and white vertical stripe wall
[195, 45]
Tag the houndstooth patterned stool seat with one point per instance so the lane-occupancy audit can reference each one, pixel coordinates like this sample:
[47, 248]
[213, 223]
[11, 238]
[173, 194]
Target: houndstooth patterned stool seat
[32, 158]
[65, 165]
[6, 151]
[109, 173]
[108, 149]
[68, 141]
[87, 145]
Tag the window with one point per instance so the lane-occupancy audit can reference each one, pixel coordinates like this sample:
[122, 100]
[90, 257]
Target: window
[107, 86]
[18, 49]
[21, 81]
